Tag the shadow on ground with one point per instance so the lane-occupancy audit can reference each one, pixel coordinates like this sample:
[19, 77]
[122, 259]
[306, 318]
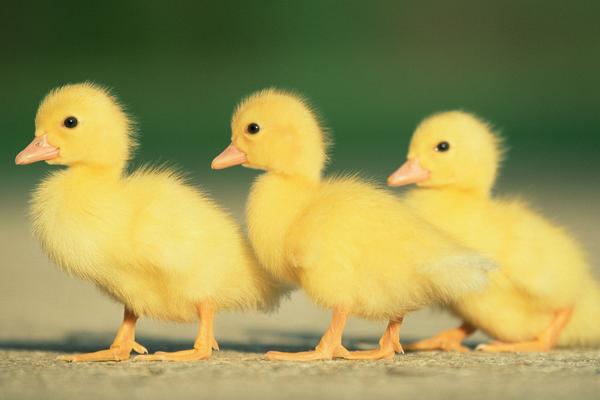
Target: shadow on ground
[79, 341]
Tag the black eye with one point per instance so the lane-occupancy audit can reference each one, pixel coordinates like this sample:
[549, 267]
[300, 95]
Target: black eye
[442, 146]
[70, 122]
[253, 128]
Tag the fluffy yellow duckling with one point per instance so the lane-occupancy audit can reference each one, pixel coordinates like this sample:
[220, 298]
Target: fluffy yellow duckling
[153, 243]
[353, 247]
[543, 294]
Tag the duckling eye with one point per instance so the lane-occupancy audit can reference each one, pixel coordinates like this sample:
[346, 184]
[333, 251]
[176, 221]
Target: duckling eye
[253, 128]
[442, 146]
[70, 122]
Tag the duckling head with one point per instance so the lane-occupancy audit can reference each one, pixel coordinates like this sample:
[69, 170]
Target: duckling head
[452, 149]
[80, 124]
[276, 131]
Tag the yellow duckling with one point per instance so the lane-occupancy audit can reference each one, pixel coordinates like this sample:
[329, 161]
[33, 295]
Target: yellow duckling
[353, 247]
[543, 294]
[153, 243]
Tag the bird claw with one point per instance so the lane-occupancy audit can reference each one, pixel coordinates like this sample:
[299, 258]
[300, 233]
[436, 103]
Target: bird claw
[138, 348]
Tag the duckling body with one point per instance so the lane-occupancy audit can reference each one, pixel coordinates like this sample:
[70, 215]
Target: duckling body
[353, 247]
[320, 238]
[544, 283]
[114, 234]
[523, 299]
[149, 240]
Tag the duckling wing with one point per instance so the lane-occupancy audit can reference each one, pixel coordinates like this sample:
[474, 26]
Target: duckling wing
[453, 276]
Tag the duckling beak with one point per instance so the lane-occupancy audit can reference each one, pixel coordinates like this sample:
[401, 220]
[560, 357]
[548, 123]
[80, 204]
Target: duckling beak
[228, 158]
[38, 150]
[410, 172]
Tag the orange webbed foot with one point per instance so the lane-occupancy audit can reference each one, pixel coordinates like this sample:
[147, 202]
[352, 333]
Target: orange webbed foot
[389, 345]
[314, 355]
[375, 354]
[520, 347]
[116, 352]
[448, 340]
[196, 354]
[545, 341]
[183, 355]
[442, 343]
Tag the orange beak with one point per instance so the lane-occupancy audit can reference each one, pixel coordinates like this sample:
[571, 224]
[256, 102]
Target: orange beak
[38, 150]
[228, 158]
[410, 172]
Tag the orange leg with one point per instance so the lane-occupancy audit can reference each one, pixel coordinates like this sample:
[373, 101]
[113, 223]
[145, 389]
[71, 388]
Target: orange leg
[328, 348]
[389, 345]
[449, 340]
[543, 342]
[121, 347]
[203, 346]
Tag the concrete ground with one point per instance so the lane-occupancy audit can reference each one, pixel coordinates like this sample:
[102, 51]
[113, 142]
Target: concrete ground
[31, 374]
[44, 313]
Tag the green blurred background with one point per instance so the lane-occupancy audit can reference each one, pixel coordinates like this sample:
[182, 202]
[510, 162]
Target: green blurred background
[372, 68]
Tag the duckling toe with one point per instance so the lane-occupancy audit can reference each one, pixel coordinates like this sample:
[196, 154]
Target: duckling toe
[183, 355]
[111, 354]
[520, 347]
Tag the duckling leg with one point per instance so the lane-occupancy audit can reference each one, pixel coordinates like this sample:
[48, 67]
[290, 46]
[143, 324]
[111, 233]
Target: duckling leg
[121, 347]
[448, 340]
[545, 341]
[329, 347]
[203, 346]
[389, 344]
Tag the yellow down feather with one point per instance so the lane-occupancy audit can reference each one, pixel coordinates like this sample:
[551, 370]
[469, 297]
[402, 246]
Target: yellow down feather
[542, 268]
[346, 242]
[149, 240]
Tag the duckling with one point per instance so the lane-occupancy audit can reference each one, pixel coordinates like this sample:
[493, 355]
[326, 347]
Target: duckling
[149, 240]
[352, 246]
[543, 293]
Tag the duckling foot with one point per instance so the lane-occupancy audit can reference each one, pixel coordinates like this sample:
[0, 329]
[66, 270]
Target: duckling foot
[389, 345]
[520, 347]
[449, 340]
[118, 352]
[545, 341]
[384, 352]
[329, 347]
[121, 347]
[205, 340]
[183, 355]
[315, 355]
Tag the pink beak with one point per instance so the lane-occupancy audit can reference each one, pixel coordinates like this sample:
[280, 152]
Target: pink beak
[228, 158]
[410, 172]
[38, 150]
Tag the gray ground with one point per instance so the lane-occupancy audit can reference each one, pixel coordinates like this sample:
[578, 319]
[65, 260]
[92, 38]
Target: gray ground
[44, 313]
[232, 374]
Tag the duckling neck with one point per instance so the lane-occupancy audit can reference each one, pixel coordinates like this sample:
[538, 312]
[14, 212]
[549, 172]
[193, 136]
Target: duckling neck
[445, 207]
[472, 192]
[301, 171]
[274, 204]
[96, 172]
